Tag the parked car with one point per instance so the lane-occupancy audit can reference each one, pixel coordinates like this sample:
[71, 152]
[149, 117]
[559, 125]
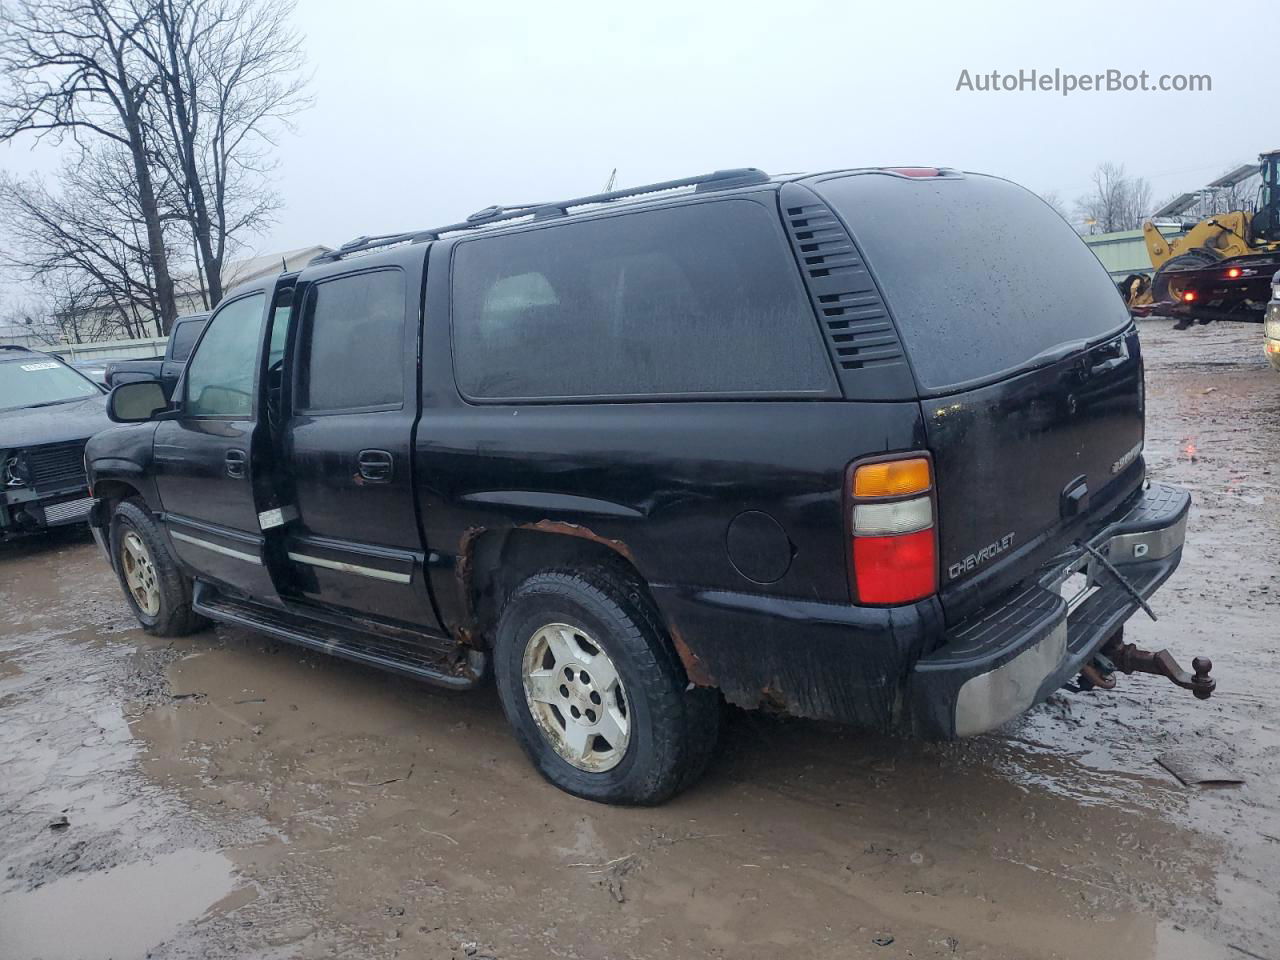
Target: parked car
[863, 446]
[47, 412]
[1271, 325]
[183, 336]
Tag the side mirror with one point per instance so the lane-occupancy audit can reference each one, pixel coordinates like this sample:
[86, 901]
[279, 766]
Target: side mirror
[137, 402]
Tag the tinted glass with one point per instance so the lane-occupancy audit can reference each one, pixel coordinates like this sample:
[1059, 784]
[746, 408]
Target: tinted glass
[279, 334]
[184, 337]
[33, 380]
[220, 374]
[355, 342]
[700, 299]
[981, 275]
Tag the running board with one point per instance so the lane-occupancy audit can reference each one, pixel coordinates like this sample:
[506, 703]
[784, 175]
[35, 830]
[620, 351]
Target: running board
[435, 660]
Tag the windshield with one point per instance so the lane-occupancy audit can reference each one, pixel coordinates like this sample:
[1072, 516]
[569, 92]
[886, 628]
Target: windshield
[982, 276]
[37, 381]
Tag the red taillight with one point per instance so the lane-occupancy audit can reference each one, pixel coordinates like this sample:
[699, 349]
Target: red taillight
[893, 555]
[1189, 296]
[897, 569]
[1233, 272]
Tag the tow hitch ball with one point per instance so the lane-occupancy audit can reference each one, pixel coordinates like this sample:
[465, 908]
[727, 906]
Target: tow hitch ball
[1117, 655]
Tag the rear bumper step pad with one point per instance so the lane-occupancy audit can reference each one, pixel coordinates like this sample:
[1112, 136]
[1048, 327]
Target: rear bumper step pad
[1019, 650]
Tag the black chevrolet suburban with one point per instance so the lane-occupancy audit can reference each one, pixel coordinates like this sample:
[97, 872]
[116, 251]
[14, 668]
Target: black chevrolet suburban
[863, 445]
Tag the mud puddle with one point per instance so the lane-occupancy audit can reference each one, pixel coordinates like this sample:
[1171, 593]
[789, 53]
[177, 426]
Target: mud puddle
[121, 912]
[294, 806]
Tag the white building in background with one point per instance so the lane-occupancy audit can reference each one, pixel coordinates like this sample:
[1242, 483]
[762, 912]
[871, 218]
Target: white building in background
[192, 297]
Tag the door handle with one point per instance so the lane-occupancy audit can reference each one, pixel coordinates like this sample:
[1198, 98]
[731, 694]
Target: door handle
[235, 461]
[376, 466]
[1073, 497]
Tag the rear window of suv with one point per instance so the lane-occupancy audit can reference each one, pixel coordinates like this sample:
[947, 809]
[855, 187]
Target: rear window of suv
[702, 299]
[981, 275]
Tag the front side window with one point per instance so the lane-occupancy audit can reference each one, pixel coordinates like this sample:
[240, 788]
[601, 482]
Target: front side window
[353, 349]
[698, 299]
[220, 374]
[40, 381]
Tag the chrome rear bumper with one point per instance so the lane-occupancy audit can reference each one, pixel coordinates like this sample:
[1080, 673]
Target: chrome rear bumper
[1016, 652]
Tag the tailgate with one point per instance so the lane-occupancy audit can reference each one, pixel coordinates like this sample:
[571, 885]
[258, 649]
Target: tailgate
[1023, 465]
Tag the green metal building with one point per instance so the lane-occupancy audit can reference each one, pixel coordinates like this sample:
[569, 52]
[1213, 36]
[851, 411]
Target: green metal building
[1123, 252]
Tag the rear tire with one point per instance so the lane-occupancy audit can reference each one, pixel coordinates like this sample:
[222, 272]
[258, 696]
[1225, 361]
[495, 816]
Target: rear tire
[154, 586]
[594, 691]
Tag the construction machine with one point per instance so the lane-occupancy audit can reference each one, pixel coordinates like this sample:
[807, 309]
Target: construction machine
[1221, 267]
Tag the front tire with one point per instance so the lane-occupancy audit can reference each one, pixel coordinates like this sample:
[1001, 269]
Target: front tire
[594, 691]
[155, 587]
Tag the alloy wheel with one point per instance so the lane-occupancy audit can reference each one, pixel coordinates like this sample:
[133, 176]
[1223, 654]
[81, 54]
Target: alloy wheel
[576, 697]
[140, 574]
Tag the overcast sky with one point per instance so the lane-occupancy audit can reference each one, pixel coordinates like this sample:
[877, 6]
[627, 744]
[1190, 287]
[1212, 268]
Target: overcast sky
[426, 111]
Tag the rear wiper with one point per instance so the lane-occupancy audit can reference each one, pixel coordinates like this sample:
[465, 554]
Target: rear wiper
[1056, 353]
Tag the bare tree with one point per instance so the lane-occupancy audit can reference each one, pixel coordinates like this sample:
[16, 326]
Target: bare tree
[1116, 201]
[62, 313]
[1140, 202]
[1054, 199]
[74, 70]
[189, 93]
[230, 77]
[84, 246]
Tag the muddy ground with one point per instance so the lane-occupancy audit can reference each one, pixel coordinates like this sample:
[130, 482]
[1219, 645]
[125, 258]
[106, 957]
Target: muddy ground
[225, 796]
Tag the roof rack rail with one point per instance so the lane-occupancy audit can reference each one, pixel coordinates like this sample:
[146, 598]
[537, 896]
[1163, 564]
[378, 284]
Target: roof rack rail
[17, 346]
[718, 180]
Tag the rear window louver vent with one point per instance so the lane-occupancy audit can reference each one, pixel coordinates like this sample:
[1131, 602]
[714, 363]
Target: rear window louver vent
[860, 333]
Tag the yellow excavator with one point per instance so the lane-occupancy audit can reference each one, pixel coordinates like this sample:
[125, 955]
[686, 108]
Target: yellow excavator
[1220, 268]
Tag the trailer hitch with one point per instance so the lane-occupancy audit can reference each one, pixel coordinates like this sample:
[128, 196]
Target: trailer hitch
[1116, 655]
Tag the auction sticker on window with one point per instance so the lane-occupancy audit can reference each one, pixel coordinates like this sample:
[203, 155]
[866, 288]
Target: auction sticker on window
[43, 365]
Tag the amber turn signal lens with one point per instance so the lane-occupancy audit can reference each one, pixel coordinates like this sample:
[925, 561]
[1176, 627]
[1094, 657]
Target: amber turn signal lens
[891, 478]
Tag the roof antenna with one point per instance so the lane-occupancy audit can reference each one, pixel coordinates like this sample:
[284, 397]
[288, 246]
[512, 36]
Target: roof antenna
[284, 265]
[608, 184]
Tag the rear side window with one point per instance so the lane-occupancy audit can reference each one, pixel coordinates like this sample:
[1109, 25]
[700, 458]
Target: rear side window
[981, 275]
[698, 299]
[184, 338]
[353, 347]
